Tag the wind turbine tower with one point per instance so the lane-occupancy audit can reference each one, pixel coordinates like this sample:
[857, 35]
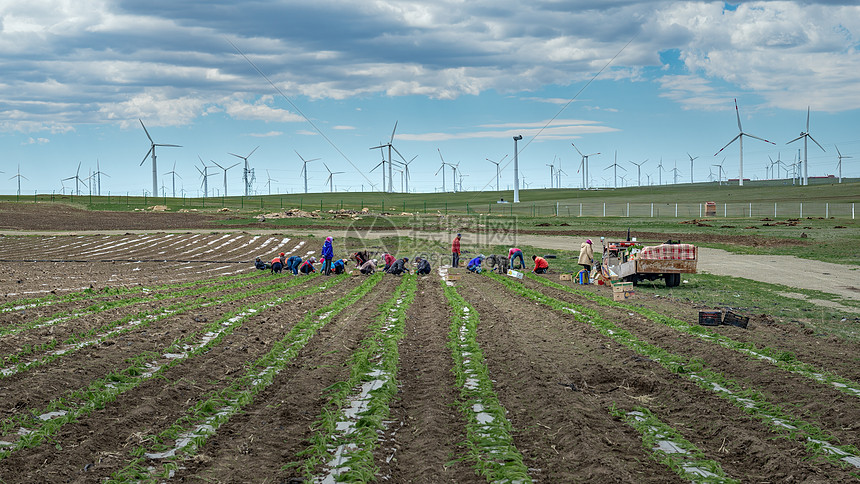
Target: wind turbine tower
[805, 135]
[691, 166]
[497, 163]
[441, 169]
[173, 176]
[584, 167]
[517, 170]
[390, 147]
[638, 171]
[19, 175]
[740, 138]
[838, 166]
[225, 173]
[305, 168]
[247, 173]
[617, 166]
[331, 175]
[153, 144]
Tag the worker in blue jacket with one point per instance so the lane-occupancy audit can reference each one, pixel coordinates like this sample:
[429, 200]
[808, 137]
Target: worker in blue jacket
[327, 256]
[475, 264]
[293, 264]
[339, 266]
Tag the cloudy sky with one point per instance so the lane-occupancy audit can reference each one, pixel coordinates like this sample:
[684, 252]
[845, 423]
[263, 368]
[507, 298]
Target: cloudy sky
[329, 79]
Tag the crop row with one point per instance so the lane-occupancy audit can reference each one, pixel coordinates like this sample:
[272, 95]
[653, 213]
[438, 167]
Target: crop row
[188, 434]
[35, 425]
[781, 359]
[818, 441]
[347, 431]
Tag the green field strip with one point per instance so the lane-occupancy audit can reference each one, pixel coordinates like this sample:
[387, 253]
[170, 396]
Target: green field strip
[23, 304]
[668, 447]
[118, 327]
[93, 309]
[752, 402]
[489, 438]
[348, 430]
[781, 359]
[36, 426]
[190, 433]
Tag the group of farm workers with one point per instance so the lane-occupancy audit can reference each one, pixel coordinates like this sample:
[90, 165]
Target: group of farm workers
[365, 265]
[393, 265]
[514, 254]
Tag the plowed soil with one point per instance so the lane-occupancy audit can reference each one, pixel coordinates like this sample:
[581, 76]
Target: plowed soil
[557, 378]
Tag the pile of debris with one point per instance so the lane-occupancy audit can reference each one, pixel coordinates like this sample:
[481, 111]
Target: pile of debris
[346, 213]
[290, 213]
[154, 208]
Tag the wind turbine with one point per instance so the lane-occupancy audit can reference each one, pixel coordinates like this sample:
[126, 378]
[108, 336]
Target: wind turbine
[441, 169]
[740, 138]
[152, 150]
[225, 173]
[461, 180]
[720, 173]
[390, 147]
[305, 168]
[77, 180]
[173, 177]
[205, 174]
[551, 172]
[691, 165]
[454, 169]
[98, 174]
[617, 166]
[19, 175]
[805, 135]
[382, 164]
[498, 171]
[584, 167]
[247, 173]
[838, 166]
[406, 169]
[677, 172]
[660, 171]
[330, 179]
[269, 181]
[638, 171]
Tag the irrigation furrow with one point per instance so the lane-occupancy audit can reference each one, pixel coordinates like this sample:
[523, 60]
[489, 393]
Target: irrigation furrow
[190, 432]
[34, 431]
[348, 430]
[668, 447]
[818, 441]
[775, 357]
[119, 327]
[490, 442]
[117, 304]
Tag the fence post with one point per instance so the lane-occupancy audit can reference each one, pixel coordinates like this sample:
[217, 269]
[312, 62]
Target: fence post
[725, 210]
[801, 210]
[628, 209]
[750, 209]
[852, 210]
[282, 203]
[556, 209]
[652, 210]
[676, 210]
[604, 209]
[700, 210]
[580, 209]
[774, 209]
[827, 210]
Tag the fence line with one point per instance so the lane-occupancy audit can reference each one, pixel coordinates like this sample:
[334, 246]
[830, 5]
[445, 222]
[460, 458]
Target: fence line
[843, 210]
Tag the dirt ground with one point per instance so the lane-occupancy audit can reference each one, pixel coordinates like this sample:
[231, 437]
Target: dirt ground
[556, 378]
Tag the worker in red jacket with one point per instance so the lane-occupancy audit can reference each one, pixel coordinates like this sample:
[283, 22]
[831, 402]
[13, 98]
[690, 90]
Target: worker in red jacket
[389, 260]
[455, 251]
[541, 265]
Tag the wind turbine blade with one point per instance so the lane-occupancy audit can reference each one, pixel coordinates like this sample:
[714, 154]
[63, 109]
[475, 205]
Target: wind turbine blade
[577, 149]
[170, 146]
[440, 169]
[252, 152]
[377, 147]
[219, 166]
[398, 154]
[392, 133]
[315, 159]
[300, 156]
[727, 144]
[231, 166]
[762, 139]
[795, 139]
[146, 155]
[440, 155]
[377, 166]
[738, 113]
[326, 167]
[838, 152]
[816, 142]
[234, 154]
[145, 131]
[807, 119]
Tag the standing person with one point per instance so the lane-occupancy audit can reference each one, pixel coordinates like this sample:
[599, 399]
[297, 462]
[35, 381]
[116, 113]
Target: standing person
[368, 267]
[541, 265]
[307, 266]
[475, 264]
[327, 256]
[277, 265]
[293, 264]
[423, 265]
[586, 255]
[455, 251]
[513, 253]
[389, 261]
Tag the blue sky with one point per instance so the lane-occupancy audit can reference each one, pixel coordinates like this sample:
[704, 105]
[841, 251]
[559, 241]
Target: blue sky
[460, 78]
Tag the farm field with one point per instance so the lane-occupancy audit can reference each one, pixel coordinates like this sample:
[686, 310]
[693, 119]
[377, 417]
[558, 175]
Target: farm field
[167, 357]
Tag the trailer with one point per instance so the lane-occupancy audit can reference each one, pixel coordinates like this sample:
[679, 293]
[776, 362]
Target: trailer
[633, 262]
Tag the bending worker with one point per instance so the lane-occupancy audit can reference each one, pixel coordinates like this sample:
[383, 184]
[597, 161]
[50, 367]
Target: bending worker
[293, 264]
[514, 253]
[307, 266]
[368, 267]
[423, 265]
[541, 265]
[475, 264]
[277, 265]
